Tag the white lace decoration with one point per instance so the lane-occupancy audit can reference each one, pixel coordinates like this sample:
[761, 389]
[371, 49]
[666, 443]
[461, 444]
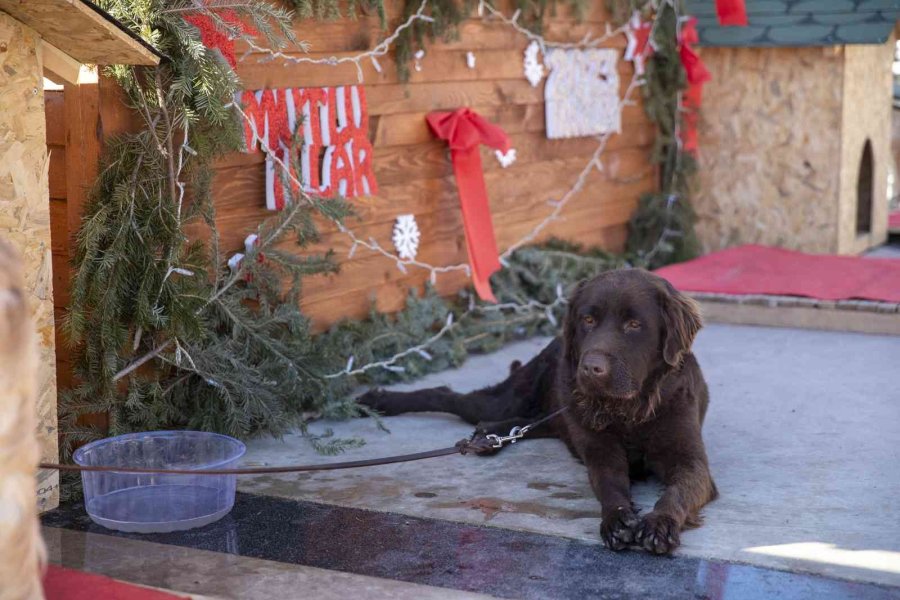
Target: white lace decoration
[582, 92]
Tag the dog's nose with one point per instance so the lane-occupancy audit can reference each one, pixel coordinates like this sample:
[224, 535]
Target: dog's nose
[595, 365]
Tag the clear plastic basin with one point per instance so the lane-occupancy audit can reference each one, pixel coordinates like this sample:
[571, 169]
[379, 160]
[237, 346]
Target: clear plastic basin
[147, 503]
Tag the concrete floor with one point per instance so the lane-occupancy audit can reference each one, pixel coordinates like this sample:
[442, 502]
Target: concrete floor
[802, 434]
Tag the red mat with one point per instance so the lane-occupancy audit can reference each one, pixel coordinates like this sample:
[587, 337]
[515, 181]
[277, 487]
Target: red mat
[773, 271]
[68, 584]
[894, 221]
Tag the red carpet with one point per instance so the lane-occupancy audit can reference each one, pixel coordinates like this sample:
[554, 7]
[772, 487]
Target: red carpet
[773, 271]
[67, 584]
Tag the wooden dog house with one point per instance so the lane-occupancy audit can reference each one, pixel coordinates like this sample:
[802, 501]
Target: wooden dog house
[795, 131]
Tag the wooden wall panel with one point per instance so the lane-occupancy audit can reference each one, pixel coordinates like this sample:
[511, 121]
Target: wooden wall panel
[413, 169]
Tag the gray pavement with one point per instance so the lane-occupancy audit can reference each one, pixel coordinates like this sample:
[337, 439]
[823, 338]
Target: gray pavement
[803, 435]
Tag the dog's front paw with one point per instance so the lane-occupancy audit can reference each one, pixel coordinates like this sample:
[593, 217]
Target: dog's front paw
[658, 533]
[617, 530]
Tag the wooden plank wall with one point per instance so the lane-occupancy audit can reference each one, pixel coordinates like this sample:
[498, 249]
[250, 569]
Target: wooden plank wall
[55, 112]
[413, 169]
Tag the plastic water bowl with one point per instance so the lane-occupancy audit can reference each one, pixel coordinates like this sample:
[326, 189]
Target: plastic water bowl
[146, 503]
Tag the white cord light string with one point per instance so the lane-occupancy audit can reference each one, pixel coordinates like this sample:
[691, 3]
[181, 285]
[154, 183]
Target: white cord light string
[380, 50]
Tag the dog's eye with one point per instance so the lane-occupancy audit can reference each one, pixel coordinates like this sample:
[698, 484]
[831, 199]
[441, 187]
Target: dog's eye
[589, 320]
[632, 325]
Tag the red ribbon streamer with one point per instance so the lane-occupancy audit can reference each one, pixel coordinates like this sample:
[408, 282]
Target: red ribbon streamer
[214, 38]
[464, 130]
[697, 75]
[731, 12]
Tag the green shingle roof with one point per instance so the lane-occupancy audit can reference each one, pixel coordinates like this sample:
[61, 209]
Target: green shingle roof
[773, 23]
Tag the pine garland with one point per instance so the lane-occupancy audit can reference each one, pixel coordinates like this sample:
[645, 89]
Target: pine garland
[330, 10]
[662, 229]
[165, 335]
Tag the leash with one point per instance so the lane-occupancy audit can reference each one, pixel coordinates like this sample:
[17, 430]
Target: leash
[517, 433]
[475, 444]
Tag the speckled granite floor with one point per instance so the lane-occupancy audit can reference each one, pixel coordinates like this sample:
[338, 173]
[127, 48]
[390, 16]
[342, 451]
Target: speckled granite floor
[345, 551]
[801, 433]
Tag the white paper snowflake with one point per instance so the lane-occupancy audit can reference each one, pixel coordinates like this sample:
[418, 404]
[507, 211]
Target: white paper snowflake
[406, 237]
[534, 71]
[506, 159]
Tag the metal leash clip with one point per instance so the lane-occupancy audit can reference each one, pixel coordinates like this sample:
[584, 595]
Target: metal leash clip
[516, 433]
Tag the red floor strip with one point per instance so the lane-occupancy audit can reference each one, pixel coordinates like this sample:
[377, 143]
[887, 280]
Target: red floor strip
[774, 271]
[68, 584]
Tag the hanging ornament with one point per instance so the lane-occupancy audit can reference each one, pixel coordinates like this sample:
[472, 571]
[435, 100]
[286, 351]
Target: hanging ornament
[697, 74]
[336, 155]
[640, 46]
[534, 70]
[406, 237]
[213, 37]
[235, 261]
[582, 93]
[731, 12]
[506, 158]
[250, 242]
[419, 55]
[464, 130]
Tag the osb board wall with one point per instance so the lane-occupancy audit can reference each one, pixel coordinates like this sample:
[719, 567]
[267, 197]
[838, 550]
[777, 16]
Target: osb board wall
[25, 215]
[413, 169]
[770, 148]
[868, 98]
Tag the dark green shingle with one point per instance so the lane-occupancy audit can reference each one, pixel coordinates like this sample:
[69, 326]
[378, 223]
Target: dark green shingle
[800, 23]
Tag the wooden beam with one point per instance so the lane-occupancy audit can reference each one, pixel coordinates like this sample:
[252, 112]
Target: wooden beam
[82, 31]
[59, 63]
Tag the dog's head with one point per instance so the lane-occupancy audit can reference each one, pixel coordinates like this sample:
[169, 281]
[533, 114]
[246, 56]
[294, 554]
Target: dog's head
[624, 331]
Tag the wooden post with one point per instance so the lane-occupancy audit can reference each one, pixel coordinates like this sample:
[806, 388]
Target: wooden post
[25, 217]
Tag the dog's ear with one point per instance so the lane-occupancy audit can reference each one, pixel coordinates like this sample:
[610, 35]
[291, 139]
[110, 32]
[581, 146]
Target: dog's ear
[681, 322]
[569, 327]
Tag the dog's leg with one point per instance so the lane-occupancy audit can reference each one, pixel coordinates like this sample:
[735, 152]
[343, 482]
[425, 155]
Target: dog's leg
[521, 394]
[689, 486]
[474, 407]
[607, 465]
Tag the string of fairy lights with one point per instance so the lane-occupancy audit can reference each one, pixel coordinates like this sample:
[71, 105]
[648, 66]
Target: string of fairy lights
[489, 14]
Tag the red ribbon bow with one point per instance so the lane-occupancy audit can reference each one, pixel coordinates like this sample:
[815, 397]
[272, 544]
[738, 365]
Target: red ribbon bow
[464, 131]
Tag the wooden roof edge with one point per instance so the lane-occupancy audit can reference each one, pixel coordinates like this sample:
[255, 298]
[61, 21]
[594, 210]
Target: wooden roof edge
[111, 19]
[82, 30]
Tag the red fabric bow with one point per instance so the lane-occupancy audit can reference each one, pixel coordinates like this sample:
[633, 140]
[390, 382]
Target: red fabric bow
[731, 12]
[697, 74]
[464, 130]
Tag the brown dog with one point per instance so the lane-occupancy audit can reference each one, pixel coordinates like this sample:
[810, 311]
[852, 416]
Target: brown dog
[635, 395]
